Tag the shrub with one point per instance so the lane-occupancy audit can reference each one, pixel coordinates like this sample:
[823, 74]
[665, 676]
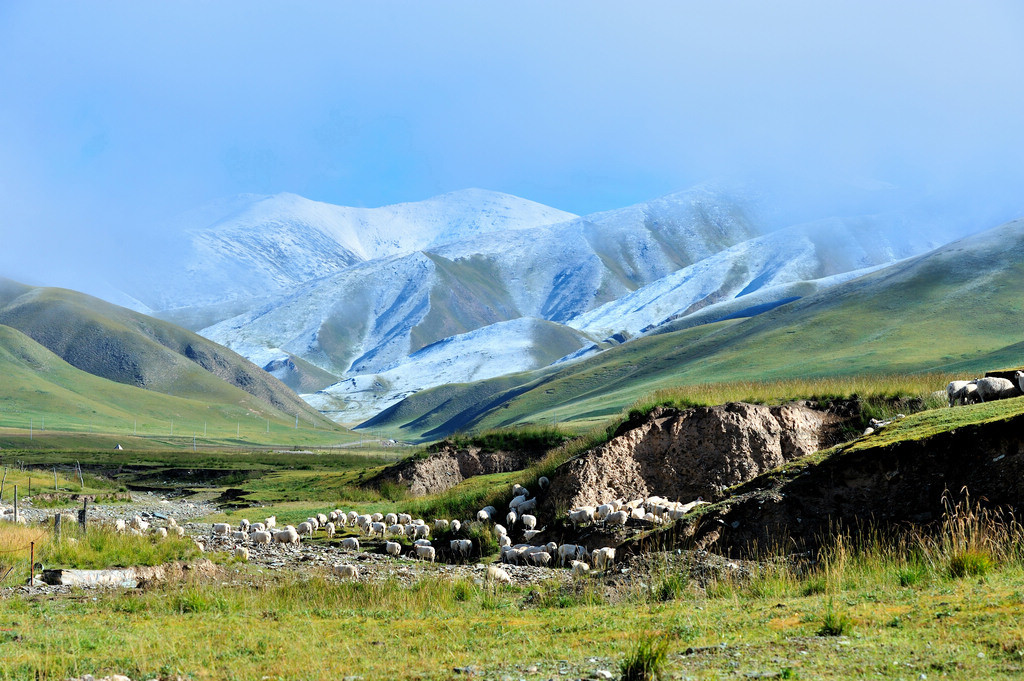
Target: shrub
[647, 661]
[969, 563]
[834, 623]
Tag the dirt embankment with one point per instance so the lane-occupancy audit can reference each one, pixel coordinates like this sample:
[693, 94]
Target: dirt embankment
[451, 465]
[683, 455]
[884, 486]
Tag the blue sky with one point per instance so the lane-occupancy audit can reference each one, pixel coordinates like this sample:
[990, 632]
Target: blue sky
[118, 115]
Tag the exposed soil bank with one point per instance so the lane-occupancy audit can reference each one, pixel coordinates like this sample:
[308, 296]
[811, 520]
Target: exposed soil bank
[683, 455]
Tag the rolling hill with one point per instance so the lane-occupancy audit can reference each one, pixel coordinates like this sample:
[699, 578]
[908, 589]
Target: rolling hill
[956, 308]
[109, 346]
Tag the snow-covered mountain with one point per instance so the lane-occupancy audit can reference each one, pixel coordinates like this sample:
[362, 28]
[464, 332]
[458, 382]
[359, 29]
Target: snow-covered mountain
[765, 269]
[374, 316]
[475, 284]
[250, 247]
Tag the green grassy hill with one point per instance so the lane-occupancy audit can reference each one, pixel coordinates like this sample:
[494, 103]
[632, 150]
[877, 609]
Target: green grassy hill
[127, 347]
[41, 394]
[957, 308]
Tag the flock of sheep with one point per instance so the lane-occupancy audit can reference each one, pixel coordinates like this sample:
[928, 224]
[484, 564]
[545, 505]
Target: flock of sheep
[984, 389]
[392, 527]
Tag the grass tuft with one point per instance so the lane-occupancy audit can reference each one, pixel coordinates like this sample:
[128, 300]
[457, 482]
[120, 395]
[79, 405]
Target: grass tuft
[834, 623]
[647, 661]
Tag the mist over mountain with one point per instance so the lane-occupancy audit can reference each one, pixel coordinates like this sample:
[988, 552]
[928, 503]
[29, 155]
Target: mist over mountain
[358, 308]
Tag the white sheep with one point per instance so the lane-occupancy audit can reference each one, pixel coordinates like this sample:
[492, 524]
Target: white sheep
[527, 506]
[617, 519]
[497, 575]
[261, 537]
[120, 525]
[329, 528]
[376, 529]
[483, 516]
[270, 522]
[456, 525]
[353, 517]
[404, 518]
[241, 553]
[516, 501]
[568, 552]
[543, 482]
[603, 511]
[503, 540]
[243, 524]
[990, 389]
[257, 527]
[422, 531]
[528, 535]
[583, 514]
[603, 558]
[425, 553]
[580, 568]
[321, 520]
[393, 548]
[511, 518]
[178, 530]
[346, 571]
[287, 536]
[540, 558]
[461, 547]
[219, 529]
[391, 519]
[350, 543]
[304, 528]
[440, 525]
[314, 524]
[396, 530]
[160, 532]
[377, 517]
[500, 530]
[239, 536]
[529, 521]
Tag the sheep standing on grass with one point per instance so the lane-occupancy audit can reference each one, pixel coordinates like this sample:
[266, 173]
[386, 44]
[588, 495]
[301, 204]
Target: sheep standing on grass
[261, 537]
[461, 547]
[350, 543]
[329, 529]
[990, 389]
[270, 522]
[529, 521]
[304, 528]
[425, 553]
[160, 532]
[242, 553]
[219, 529]
[393, 548]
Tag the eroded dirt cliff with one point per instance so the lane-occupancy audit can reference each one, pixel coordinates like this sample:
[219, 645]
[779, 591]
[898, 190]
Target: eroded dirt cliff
[686, 454]
[451, 465]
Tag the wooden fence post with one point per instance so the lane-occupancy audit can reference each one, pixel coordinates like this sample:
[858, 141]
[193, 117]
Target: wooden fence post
[2, 483]
[56, 525]
[15, 504]
[82, 514]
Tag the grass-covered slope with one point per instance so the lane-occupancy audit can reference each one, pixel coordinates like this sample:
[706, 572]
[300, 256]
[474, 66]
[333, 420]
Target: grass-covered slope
[127, 347]
[41, 391]
[957, 308]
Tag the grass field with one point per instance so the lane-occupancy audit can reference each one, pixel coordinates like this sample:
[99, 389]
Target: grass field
[945, 605]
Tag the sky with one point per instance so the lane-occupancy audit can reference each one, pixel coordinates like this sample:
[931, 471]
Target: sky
[117, 116]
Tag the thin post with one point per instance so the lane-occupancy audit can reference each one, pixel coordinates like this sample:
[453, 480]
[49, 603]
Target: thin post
[2, 483]
[56, 525]
[15, 503]
[54, 478]
[82, 514]
[31, 563]
[81, 480]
